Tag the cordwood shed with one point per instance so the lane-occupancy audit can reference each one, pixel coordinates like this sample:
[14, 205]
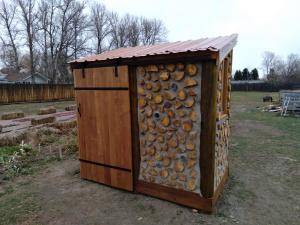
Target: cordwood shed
[155, 119]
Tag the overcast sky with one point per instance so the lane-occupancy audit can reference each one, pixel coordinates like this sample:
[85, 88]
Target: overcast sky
[262, 25]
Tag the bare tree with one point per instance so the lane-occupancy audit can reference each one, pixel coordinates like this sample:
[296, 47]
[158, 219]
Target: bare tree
[8, 21]
[118, 30]
[99, 25]
[292, 64]
[57, 31]
[268, 59]
[28, 20]
[152, 31]
[79, 24]
[133, 31]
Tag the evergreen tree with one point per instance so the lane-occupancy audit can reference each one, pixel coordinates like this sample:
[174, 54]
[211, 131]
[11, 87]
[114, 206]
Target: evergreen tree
[254, 74]
[245, 74]
[238, 75]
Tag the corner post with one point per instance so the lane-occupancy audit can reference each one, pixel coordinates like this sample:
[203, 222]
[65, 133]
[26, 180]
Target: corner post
[208, 126]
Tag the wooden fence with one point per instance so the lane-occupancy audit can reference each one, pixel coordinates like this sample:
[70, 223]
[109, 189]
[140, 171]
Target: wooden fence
[11, 93]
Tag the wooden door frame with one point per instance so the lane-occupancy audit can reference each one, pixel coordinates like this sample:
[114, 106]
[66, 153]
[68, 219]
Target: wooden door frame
[135, 141]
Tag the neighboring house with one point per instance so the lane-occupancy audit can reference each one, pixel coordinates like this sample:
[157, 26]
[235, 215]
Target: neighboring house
[12, 76]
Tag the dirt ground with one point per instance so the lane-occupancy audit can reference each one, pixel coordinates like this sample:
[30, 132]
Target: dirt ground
[263, 187]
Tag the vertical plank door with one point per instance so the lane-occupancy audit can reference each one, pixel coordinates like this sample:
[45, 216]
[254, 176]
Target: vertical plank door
[104, 127]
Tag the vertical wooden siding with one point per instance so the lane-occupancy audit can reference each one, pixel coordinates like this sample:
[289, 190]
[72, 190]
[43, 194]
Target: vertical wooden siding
[10, 93]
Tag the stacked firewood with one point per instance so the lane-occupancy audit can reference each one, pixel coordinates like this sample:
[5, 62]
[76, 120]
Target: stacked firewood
[169, 124]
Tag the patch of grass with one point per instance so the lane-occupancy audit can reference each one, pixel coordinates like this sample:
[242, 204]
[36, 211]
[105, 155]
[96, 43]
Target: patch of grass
[286, 143]
[16, 207]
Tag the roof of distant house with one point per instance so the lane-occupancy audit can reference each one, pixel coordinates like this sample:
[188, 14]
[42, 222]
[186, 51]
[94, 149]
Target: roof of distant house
[12, 75]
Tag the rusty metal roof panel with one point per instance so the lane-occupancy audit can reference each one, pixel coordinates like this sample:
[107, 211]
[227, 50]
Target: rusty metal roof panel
[217, 44]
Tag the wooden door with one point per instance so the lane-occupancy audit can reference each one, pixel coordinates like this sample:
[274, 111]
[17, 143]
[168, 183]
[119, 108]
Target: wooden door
[104, 126]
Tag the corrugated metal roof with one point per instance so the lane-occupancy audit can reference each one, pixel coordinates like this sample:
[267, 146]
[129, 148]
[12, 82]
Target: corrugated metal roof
[217, 44]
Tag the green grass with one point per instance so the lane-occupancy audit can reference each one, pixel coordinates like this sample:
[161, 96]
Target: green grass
[17, 206]
[288, 127]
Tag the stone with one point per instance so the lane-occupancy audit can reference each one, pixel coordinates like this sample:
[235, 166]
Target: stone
[148, 86]
[149, 96]
[160, 139]
[189, 82]
[169, 135]
[141, 91]
[190, 146]
[164, 148]
[156, 87]
[174, 176]
[140, 71]
[161, 129]
[148, 76]
[174, 87]
[151, 124]
[193, 116]
[173, 143]
[165, 121]
[192, 155]
[189, 102]
[154, 77]
[181, 95]
[181, 113]
[192, 92]
[191, 163]
[164, 173]
[178, 104]
[142, 102]
[167, 105]
[191, 69]
[158, 156]
[178, 166]
[152, 68]
[158, 99]
[164, 75]
[166, 161]
[187, 126]
[166, 85]
[151, 137]
[170, 67]
[151, 151]
[170, 113]
[148, 111]
[191, 185]
[178, 75]
[170, 95]
[153, 172]
[193, 173]
[176, 123]
[182, 177]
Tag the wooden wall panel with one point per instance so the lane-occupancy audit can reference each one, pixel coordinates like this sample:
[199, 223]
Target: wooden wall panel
[208, 127]
[105, 175]
[105, 127]
[101, 77]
